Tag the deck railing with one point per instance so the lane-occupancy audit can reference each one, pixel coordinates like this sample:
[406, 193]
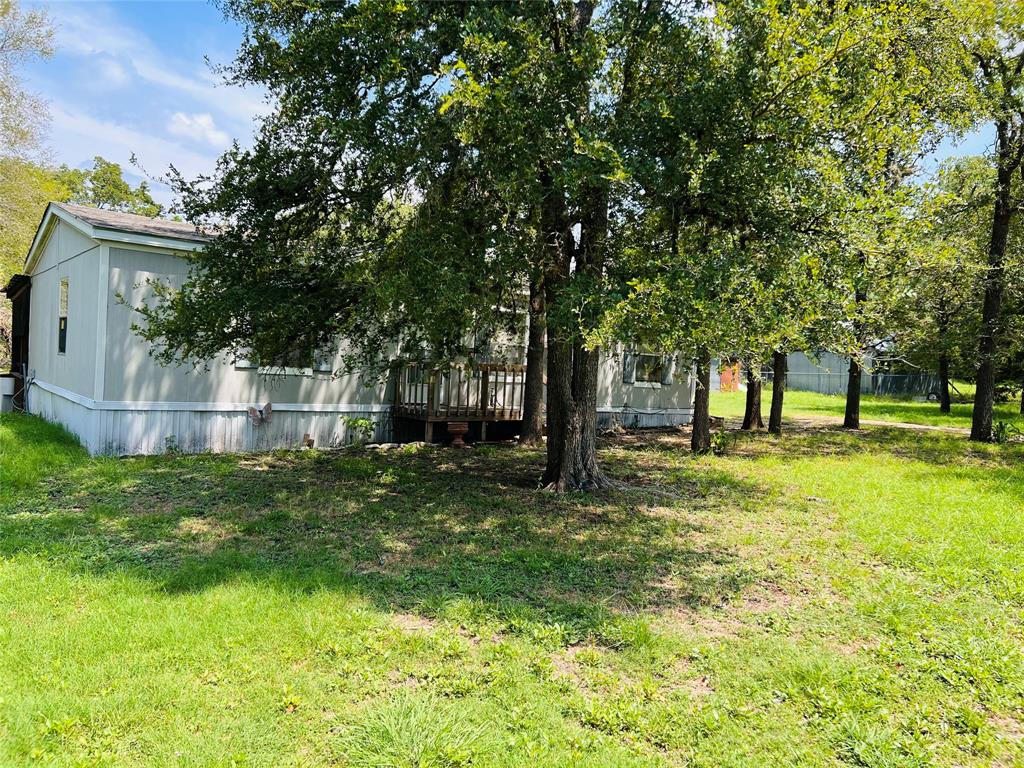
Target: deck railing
[482, 392]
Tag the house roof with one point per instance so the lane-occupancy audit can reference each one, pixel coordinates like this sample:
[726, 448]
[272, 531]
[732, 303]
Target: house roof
[15, 285]
[115, 221]
[116, 228]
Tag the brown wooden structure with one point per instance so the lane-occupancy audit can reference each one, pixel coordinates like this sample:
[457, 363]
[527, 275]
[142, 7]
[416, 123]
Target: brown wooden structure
[484, 392]
[19, 291]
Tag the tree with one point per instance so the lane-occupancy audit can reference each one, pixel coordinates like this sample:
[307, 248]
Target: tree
[23, 36]
[945, 306]
[23, 184]
[764, 106]
[533, 389]
[25, 189]
[438, 150]
[922, 97]
[104, 186]
[992, 35]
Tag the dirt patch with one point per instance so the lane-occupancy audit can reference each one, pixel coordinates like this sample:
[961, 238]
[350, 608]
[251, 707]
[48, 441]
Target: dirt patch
[1008, 727]
[697, 687]
[568, 663]
[399, 556]
[770, 598]
[741, 614]
[411, 622]
[587, 667]
[714, 625]
[398, 678]
[196, 526]
[565, 666]
[855, 647]
[681, 677]
[201, 534]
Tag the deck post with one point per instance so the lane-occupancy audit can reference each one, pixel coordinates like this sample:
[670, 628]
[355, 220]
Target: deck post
[485, 391]
[431, 393]
[399, 371]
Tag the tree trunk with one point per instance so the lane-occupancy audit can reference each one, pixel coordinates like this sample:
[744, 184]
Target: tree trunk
[780, 364]
[1022, 401]
[532, 432]
[944, 405]
[852, 418]
[572, 419]
[572, 369]
[752, 412]
[988, 344]
[700, 440]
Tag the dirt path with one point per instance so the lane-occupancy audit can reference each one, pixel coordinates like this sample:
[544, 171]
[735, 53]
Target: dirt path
[822, 420]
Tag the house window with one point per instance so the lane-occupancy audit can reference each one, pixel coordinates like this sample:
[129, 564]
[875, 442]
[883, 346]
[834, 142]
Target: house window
[62, 318]
[650, 368]
[323, 361]
[296, 362]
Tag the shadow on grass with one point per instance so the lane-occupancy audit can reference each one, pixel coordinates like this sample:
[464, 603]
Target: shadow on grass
[817, 440]
[465, 535]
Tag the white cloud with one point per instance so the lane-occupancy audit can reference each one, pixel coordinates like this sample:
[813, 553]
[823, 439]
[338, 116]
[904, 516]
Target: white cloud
[109, 74]
[82, 136]
[91, 32]
[115, 92]
[199, 127]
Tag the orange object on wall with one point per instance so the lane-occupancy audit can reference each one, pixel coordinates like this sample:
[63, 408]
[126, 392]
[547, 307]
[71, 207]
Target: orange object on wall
[730, 377]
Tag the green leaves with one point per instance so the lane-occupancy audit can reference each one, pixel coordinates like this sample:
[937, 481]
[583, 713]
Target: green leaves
[104, 186]
[682, 176]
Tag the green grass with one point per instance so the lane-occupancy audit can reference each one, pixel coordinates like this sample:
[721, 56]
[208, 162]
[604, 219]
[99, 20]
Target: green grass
[872, 408]
[826, 599]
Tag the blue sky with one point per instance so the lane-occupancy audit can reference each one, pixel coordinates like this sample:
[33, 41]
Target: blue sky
[132, 77]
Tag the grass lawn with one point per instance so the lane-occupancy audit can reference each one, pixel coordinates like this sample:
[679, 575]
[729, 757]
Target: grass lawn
[872, 408]
[826, 599]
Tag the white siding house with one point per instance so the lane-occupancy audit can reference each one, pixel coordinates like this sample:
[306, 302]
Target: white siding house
[87, 370]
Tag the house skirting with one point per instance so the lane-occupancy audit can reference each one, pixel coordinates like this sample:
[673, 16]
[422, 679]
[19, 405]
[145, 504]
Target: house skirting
[116, 428]
[640, 418]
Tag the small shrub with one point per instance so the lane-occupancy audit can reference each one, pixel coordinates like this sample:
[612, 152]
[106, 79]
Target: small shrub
[1002, 431]
[722, 442]
[360, 428]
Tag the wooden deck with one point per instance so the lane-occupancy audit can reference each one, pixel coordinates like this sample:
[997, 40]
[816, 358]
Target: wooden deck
[481, 392]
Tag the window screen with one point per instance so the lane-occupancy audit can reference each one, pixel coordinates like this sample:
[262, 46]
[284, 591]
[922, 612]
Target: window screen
[650, 368]
[62, 318]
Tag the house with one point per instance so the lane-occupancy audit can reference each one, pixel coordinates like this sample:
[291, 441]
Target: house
[78, 362]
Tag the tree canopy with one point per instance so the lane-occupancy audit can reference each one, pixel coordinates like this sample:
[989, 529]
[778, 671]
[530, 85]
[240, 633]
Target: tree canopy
[104, 186]
[24, 186]
[687, 176]
[23, 35]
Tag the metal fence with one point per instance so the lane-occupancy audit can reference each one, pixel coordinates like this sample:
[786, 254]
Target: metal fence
[827, 374]
[833, 382]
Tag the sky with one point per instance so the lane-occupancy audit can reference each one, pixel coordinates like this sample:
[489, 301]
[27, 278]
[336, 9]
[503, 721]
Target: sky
[137, 78]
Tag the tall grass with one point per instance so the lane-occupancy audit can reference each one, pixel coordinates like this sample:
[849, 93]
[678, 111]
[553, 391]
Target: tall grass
[32, 449]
